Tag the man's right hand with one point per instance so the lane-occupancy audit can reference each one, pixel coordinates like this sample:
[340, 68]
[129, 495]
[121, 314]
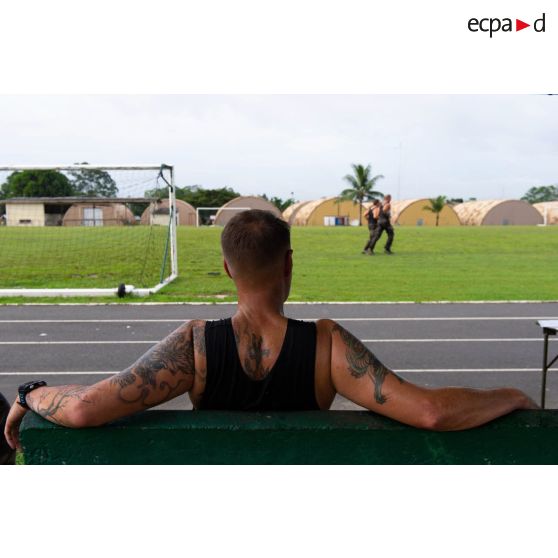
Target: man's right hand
[13, 421]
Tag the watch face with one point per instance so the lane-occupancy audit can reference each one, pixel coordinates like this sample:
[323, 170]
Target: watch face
[32, 385]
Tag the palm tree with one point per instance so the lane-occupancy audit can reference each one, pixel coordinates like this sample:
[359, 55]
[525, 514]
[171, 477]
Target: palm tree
[362, 186]
[436, 206]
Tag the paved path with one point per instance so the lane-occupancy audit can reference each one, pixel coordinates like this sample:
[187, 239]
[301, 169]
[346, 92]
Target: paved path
[478, 345]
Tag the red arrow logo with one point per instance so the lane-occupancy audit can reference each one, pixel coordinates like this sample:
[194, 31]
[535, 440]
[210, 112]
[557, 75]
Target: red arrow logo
[519, 25]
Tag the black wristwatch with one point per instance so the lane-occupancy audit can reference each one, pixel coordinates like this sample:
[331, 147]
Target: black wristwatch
[24, 389]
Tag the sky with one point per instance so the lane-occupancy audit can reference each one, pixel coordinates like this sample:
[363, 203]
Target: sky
[301, 146]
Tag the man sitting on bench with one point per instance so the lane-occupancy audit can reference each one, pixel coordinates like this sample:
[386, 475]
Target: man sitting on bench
[259, 360]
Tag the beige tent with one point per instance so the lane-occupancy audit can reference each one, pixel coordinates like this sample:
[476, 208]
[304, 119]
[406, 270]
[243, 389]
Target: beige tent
[549, 212]
[412, 213]
[498, 212]
[98, 214]
[290, 213]
[232, 207]
[69, 211]
[327, 211]
[158, 213]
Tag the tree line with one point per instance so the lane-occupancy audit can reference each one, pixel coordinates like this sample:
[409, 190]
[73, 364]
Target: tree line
[99, 183]
[52, 184]
[96, 183]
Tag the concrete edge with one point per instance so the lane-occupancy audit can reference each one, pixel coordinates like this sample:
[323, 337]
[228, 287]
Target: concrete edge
[293, 303]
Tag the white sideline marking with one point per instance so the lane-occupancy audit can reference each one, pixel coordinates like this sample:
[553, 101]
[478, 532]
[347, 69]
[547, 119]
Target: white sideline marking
[293, 303]
[182, 320]
[400, 370]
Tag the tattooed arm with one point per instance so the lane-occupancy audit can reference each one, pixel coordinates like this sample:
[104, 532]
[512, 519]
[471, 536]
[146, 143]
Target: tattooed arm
[162, 373]
[359, 376]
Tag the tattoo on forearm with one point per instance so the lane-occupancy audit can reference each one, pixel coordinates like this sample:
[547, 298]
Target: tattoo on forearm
[51, 404]
[361, 362]
[174, 355]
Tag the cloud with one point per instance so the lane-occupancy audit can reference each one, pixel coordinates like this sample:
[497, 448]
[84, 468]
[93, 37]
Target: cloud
[462, 145]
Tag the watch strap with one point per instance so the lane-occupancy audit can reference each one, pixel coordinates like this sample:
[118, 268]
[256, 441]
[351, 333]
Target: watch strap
[24, 389]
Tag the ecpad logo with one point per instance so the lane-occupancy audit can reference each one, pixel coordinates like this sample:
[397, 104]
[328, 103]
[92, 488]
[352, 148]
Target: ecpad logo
[493, 25]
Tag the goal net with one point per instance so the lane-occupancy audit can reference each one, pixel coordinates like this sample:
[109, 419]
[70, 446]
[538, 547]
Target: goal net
[86, 230]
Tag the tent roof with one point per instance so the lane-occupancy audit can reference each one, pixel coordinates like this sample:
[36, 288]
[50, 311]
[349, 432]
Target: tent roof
[74, 199]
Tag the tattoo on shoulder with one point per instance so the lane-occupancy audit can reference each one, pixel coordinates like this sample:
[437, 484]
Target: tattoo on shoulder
[362, 362]
[174, 355]
[198, 334]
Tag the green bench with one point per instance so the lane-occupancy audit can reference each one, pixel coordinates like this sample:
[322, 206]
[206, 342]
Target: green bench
[318, 437]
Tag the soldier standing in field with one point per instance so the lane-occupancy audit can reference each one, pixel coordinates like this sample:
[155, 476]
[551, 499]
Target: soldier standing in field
[384, 224]
[371, 215]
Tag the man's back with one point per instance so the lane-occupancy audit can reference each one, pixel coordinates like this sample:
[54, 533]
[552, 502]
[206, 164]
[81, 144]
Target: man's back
[274, 374]
[235, 352]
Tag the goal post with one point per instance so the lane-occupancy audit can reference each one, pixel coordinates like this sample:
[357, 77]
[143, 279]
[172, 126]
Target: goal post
[87, 230]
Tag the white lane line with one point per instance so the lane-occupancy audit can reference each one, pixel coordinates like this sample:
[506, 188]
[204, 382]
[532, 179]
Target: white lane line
[61, 373]
[116, 321]
[338, 319]
[78, 342]
[464, 370]
[153, 342]
[290, 303]
[460, 370]
[400, 370]
[436, 319]
[492, 340]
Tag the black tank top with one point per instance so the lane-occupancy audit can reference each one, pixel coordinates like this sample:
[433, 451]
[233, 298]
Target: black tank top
[371, 220]
[384, 216]
[289, 385]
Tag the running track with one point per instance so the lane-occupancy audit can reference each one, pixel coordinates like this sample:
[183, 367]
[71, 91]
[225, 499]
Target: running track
[477, 345]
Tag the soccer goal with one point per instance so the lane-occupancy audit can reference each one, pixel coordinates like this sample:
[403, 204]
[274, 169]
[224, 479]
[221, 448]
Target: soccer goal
[87, 230]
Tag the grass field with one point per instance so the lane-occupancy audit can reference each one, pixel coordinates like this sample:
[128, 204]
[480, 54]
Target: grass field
[74, 257]
[457, 263]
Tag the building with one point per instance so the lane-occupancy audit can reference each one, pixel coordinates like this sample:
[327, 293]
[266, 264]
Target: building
[242, 203]
[549, 212]
[44, 212]
[98, 214]
[328, 212]
[412, 213]
[498, 212]
[158, 213]
[290, 212]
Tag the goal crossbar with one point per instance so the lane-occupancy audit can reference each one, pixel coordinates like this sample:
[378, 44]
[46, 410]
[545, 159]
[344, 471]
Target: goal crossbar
[85, 167]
